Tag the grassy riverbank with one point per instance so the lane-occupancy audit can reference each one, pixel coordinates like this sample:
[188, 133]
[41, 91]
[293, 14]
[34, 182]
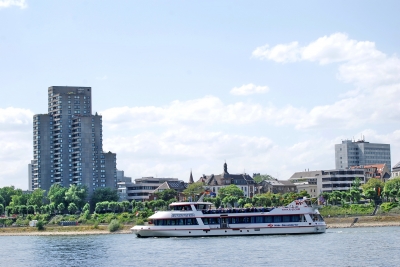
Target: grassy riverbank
[363, 221]
[62, 230]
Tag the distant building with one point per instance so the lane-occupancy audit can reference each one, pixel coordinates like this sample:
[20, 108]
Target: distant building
[68, 143]
[216, 182]
[30, 175]
[141, 188]
[311, 189]
[396, 170]
[330, 180]
[359, 153]
[377, 171]
[178, 186]
[276, 186]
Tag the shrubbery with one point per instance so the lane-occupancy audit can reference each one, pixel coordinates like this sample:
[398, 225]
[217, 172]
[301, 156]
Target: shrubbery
[139, 221]
[354, 209]
[114, 225]
[40, 225]
[387, 206]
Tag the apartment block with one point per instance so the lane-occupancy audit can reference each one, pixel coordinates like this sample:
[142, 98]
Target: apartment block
[68, 143]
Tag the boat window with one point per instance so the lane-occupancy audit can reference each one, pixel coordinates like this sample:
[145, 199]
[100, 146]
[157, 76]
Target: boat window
[317, 218]
[190, 221]
[295, 218]
[277, 219]
[268, 219]
[286, 218]
[260, 219]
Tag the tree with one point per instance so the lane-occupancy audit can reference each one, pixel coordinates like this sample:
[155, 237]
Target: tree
[1, 209]
[230, 190]
[370, 194]
[104, 194]
[392, 187]
[31, 209]
[19, 199]
[231, 200]
[166, 194]
[260, 178]
[356, 184]
[37, 197]
[193, 189]
[7, 192]
[56, 194]
[86, 207]
[355, 195]
[125, 205]
[76, 194]
[112, 206]
[72, 208]
[61, 207]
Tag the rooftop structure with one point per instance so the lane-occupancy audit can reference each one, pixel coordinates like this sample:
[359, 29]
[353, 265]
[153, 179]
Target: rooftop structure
[359, 153]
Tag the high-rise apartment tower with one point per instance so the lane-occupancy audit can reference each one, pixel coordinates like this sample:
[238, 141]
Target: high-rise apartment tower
[68, 143]
[359, 153]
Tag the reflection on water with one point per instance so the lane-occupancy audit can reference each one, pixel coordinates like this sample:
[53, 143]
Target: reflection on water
[338, 247]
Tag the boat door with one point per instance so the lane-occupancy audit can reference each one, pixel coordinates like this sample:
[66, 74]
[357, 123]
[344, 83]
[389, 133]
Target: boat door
[224, 222]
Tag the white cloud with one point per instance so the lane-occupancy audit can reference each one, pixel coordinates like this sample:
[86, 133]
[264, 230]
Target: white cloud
[207, 110]
[10, 3]
[279, 53]
[249, 89]
[375, 75]
[16, 146]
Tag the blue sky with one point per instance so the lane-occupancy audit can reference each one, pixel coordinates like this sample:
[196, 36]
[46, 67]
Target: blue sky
[269, 87]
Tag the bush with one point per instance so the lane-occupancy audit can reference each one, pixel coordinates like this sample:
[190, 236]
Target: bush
[96, 225]
[387, 206]
[114, 225]
[40, 225]
[139, 221]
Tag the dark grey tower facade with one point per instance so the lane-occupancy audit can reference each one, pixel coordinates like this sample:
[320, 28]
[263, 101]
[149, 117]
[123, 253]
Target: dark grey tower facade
[359, 153]
[68, 143]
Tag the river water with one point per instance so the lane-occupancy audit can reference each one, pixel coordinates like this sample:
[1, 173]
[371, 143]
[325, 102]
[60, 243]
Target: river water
[378, 246]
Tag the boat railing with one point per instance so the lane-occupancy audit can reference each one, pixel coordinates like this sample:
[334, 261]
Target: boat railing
[244, 210]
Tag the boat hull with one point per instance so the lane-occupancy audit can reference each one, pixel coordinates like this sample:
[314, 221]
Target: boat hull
[145, 231]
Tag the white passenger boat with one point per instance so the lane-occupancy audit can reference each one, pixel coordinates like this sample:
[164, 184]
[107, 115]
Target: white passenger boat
[199, 219]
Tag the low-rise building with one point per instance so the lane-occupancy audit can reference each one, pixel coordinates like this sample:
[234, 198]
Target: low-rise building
[396, 170]
[141, 188]
[276, 186]
[377, 171]
[178, 186]
[310, 188]
[330, 180]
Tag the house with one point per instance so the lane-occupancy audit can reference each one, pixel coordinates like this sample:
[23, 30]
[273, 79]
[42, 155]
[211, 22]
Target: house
[215, 182]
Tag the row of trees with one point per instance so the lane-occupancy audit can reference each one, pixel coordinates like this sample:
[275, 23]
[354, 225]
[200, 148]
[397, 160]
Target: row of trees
[374, 190]
[58, 200]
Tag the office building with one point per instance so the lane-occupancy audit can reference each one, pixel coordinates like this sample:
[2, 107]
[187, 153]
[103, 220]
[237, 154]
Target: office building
[359, 153]
[68, 143]
[329, 180]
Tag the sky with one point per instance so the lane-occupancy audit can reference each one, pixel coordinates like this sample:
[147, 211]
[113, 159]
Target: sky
[267, 86]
